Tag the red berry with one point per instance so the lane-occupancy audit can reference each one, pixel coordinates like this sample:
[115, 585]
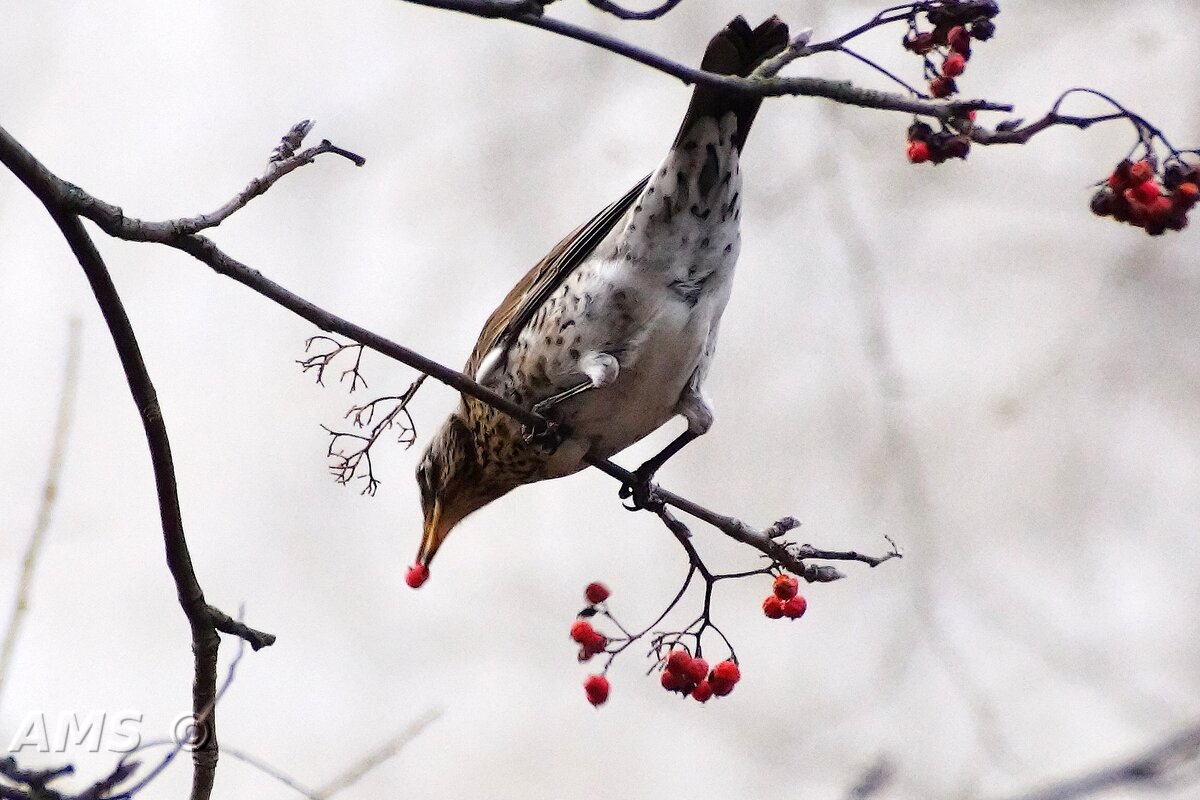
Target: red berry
[1140, 172]
[786, 587]
[697, 670]
[1146, 191]
[959, 40]
[954, 65]
[773, 607]
[942, 86]
[596, 688]
[596, 592]
[673, 681]
[795, 608]
[1160, 208]
[703, 692]
[724, 677]
[582, 630]
[918, 152]
[417, 575]
[919, 42]
[727, 671]
[678, 662]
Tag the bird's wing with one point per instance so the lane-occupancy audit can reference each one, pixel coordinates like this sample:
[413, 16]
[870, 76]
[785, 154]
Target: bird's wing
[532, 291]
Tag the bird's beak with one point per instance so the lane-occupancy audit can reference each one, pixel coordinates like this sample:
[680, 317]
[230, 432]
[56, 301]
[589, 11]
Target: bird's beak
[435, 534]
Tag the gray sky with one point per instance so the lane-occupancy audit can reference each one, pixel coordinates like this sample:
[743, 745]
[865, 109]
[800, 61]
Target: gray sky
[961, 357]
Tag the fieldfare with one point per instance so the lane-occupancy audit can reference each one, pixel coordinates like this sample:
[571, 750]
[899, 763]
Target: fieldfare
[612, 333]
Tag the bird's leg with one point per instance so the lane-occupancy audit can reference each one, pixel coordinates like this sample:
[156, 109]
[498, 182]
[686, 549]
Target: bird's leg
[550, 402]
[640, 489]
[695, 407]
[601, 370]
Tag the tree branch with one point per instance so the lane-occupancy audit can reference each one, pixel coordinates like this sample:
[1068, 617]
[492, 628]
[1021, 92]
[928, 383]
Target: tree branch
[203, 624]
[205, 640]
[56, 193]
[527, 13]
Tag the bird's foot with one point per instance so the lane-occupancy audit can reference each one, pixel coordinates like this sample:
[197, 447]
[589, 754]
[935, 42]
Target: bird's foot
[641, 492]
[548, 435]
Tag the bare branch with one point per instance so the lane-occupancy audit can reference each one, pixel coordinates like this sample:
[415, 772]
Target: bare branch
[840, 91]
[227, 624]
[379, 756]
[53, 191]
[58, 451]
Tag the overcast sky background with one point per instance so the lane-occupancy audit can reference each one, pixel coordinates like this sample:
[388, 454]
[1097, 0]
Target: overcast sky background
[962, 358]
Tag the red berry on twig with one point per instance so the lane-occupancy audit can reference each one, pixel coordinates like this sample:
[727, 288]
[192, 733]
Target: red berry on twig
[959, 40]
[678, 661]
[785, 587]
[942, 87]
[773, 607]
[596, 688]
[703, 692]
[795, 608]
[596, 592]
[582, 630]
[727, 671]
[918, 152]
[919, 43]
[723, 678]
[1140, 172]
[1146, 191]
[673, 681]
[954, 65]
[697, 670]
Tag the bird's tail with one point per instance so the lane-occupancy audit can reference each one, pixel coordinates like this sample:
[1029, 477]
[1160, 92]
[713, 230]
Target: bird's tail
[736, 50]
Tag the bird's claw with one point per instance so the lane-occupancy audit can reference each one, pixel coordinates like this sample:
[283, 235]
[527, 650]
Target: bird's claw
[548, 435]
[641, 492]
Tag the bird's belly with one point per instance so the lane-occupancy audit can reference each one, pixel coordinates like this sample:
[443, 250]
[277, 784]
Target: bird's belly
[663, 352]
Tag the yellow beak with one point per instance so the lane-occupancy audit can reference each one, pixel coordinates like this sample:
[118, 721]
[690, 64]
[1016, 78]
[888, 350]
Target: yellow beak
[435, 534]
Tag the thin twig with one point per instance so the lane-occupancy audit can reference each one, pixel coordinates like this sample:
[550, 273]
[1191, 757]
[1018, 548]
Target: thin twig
[1153, 768]
[58, 451]
[380, 755]
[624, 13]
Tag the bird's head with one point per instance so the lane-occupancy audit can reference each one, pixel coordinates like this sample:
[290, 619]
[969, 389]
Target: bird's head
[452, 483]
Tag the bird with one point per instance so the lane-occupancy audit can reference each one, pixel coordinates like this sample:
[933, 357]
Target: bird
[612, 333]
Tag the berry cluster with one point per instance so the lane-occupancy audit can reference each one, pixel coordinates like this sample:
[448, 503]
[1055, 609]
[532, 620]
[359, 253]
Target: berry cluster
[1134, 194]
[690, 676]
[926, 144]
[591, 642]
[954, 26]
[785, 599]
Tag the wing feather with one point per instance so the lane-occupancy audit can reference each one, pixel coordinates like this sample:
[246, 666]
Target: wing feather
[532, 291]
